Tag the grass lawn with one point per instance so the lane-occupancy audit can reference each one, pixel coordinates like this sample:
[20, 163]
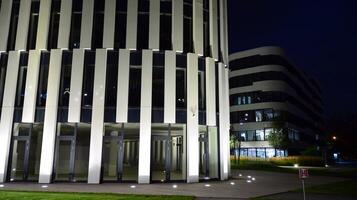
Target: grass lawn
[263, 165]
[344, 188]
[15, 195]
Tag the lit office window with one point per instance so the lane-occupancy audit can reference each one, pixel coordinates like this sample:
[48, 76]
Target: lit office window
[258, 116]
[259, 135]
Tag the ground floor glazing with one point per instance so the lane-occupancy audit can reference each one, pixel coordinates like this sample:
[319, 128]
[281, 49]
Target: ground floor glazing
[120, 152]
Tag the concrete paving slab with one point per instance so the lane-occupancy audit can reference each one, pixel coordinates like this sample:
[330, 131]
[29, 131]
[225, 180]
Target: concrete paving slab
[249, 184]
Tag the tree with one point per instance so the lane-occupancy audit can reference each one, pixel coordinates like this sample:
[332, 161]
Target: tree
[278, 139]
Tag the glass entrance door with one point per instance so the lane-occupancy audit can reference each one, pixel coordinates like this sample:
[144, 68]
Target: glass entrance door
[120, 153]
[113, 153]
[20, 158]
[204, 155]
[25, 152]
[65, 158]
[161, 158]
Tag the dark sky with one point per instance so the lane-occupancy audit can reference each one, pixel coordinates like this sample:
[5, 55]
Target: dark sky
[319, 36]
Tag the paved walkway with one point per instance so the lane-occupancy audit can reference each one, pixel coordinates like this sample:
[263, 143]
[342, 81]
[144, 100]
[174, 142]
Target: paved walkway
[249, 184]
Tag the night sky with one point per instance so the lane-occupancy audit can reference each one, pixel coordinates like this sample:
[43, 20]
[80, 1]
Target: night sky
[319, 36]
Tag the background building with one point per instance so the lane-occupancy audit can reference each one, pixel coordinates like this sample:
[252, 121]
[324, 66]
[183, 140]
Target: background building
[114, 90]
[267, 93]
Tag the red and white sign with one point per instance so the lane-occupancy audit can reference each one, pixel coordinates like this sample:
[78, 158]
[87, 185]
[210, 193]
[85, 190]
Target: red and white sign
[303, 173]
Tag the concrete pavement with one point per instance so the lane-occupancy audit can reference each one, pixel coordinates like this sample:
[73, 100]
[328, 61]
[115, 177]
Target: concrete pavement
[244, 184]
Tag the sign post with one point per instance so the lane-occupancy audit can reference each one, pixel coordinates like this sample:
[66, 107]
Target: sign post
[303, 174]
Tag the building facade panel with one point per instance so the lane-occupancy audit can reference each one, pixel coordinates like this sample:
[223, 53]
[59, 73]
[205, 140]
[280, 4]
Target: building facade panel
[103, 91]
[269, 95]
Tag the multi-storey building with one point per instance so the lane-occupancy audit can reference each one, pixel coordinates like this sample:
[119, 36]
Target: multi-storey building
[114, 90]
[268, 93]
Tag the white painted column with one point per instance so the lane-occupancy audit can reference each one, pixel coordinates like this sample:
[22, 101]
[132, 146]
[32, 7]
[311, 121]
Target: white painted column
[97, 126]
[145, 117]
[33, 69]
[87, 24]
[7, 112]
[227, 117]
[177, 25]
[50, 122]
[213, 28]
[210, 92]
[43, 24]
[123, 86]
[192, 119]
[131, 24]
[170, 87]
[23, 25]
[109, 24]
[5, 17]
[223, 123]
[197, 6]
[64, 24]
[154, 25]
[75, 97]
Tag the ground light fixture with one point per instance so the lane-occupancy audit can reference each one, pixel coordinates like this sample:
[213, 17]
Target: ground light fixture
[296, 165]
[44, 186]
[249, 176]
[249, 181]
[253, 179]
[207, 185]
[232, 183]
[174, 186]
[1, 186]
[133, 186]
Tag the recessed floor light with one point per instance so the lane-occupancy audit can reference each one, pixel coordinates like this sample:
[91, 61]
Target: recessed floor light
[240, 174]
[249, 176]
[249, 181]
[132, 186]
[174, 186]
[44, 186]
[1, 186]
[253, 179]
[233, 183]
[207, 185]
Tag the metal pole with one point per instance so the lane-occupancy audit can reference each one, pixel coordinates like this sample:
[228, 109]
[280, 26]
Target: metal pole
[303, 188]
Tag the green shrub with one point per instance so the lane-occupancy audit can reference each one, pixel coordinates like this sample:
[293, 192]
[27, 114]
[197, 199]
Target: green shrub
[247, 162]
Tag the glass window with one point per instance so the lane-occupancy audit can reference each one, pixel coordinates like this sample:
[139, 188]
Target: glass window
[249, 99]
[243, 135]
[143, 25]
[120, 24]
[259, 134]
[21, 80]
[13, 25]
[268, 115]
[258, 115]
[76, 23]
[187, 28]
[43, 79]
[65, 79]
[97, 40]
[165, 25]
[54, 24]
[31, 41]
[239, 100]
[260, 152]
[244, 152]
[270, 152]
[158, 87]
[252, 152]
[3, 64]
[268, 132]
[250, 135]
